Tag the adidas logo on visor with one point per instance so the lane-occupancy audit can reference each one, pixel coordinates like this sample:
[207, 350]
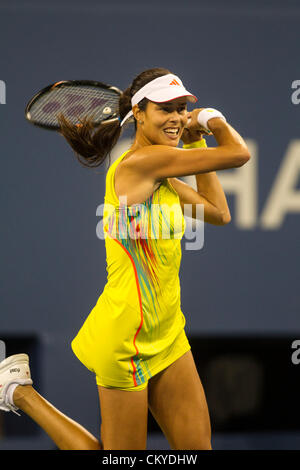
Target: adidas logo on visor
[174, 82]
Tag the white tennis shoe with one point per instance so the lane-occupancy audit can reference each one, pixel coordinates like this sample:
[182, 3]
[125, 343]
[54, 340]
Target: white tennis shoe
[14, 371]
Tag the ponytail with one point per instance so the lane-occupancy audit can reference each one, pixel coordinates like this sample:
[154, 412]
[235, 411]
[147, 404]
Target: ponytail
[92, 144]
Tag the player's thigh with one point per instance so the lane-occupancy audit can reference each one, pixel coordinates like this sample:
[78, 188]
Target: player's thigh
[177, 401]
[124, 417]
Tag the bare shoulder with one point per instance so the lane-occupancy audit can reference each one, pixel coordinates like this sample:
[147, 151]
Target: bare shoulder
[149, 160]
[130, 170]
[150, 152]
[135, 185]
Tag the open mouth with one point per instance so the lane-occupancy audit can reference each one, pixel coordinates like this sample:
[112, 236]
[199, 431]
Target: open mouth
[172, 131]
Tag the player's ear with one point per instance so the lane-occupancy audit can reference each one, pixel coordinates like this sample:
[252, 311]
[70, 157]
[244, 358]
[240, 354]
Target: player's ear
[138, 113]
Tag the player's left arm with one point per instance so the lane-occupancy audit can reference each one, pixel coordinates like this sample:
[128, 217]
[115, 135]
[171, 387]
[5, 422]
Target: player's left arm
[214, 213]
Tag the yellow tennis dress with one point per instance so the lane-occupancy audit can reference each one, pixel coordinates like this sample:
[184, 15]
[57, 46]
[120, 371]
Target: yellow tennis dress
[136, 328]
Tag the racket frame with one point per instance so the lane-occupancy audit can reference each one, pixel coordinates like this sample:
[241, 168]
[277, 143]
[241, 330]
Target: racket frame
[63, 84]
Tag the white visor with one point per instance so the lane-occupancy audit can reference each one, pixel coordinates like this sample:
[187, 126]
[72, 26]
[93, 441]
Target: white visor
[161, 89]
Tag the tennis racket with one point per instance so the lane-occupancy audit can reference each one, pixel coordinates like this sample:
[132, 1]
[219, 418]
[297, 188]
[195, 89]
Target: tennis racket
[75, 99]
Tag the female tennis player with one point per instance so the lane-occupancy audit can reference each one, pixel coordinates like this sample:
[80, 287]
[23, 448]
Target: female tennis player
[134, 339]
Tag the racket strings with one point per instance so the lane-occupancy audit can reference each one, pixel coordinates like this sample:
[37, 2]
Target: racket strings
[75, 103]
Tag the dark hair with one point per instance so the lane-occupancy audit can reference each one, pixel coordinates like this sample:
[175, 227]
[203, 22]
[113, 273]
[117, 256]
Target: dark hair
[91, 145]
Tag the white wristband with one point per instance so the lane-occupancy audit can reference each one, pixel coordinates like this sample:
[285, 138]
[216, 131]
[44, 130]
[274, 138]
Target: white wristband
[208, 113]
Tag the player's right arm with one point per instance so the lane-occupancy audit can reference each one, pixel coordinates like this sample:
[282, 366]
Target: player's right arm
[162, 161]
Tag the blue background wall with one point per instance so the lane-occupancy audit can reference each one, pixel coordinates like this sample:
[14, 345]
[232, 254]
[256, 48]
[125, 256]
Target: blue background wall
[239, 57]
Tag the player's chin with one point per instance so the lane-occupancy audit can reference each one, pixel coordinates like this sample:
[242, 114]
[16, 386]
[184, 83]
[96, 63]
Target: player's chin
[172, 142]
